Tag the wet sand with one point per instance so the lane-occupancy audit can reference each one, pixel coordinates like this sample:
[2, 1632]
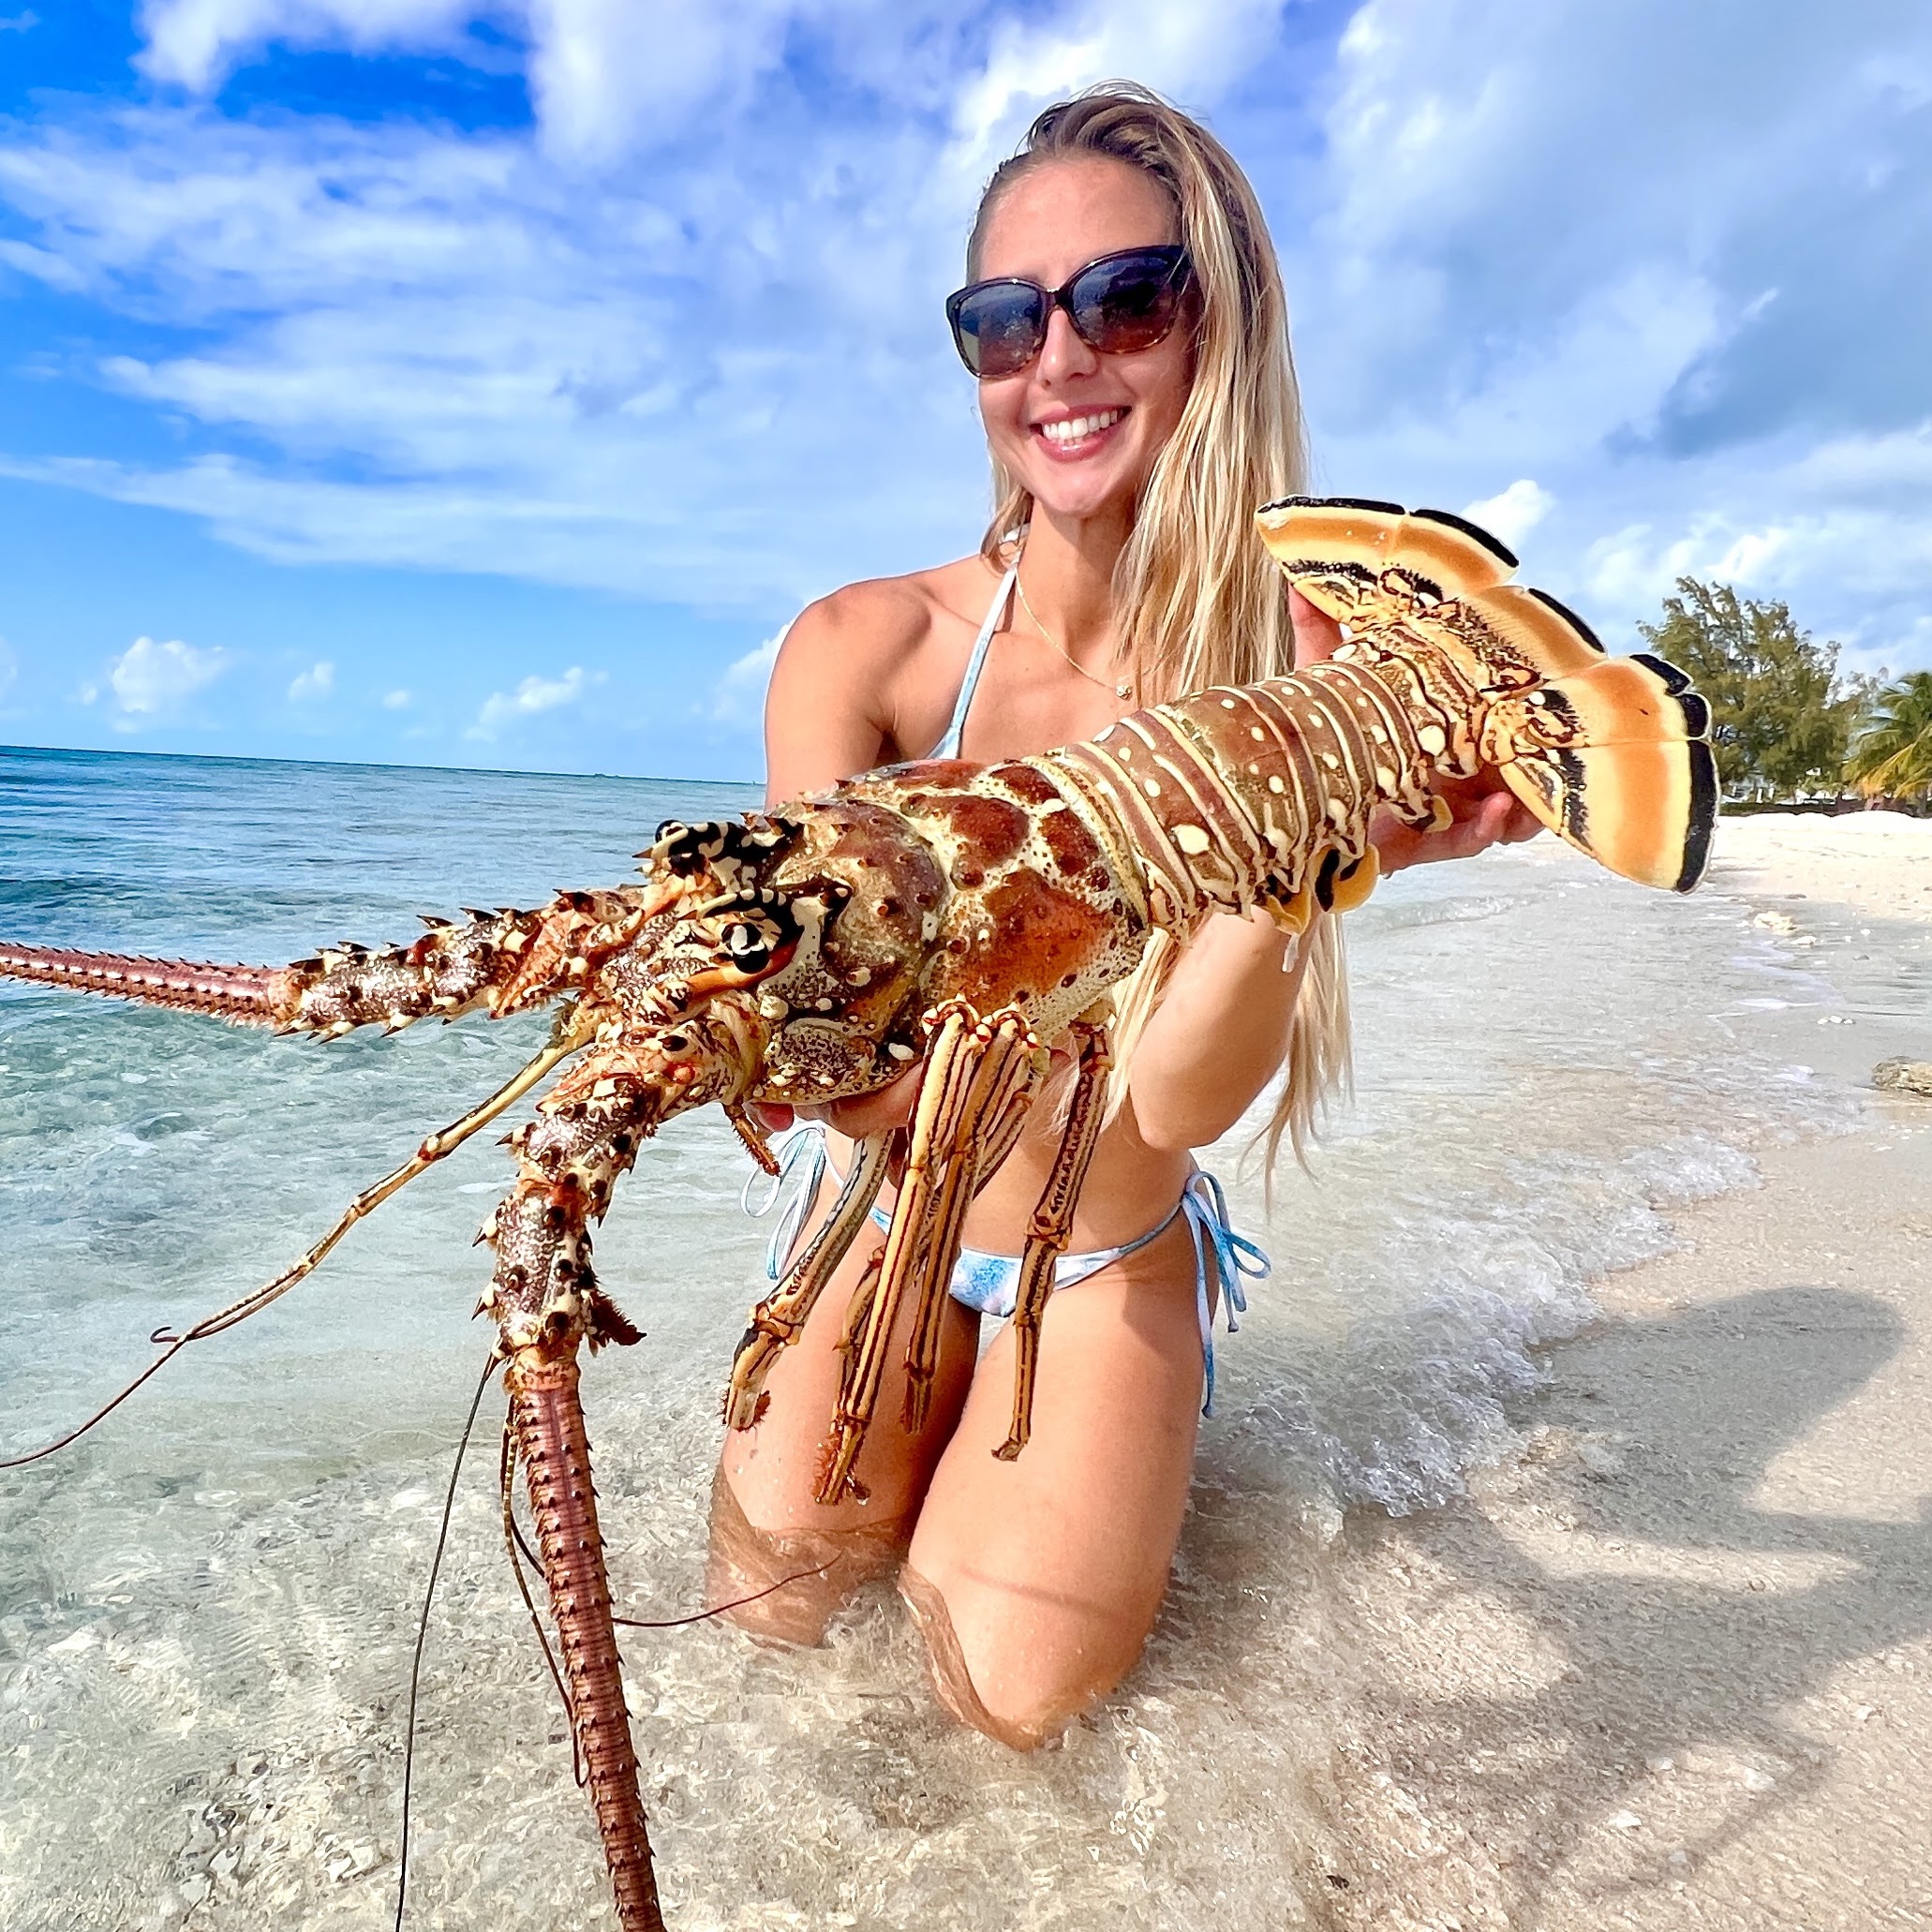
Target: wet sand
[1670, 1664]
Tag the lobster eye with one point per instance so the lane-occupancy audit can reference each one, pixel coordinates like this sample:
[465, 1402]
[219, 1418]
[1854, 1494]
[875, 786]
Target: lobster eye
[750, 947]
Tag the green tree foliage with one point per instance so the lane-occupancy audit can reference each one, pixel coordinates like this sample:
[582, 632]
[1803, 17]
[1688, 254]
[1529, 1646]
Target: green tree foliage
[1892, 754]
[1779, 718]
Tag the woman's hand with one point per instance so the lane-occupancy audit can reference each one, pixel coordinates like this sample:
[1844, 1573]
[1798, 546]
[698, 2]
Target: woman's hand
[1486, 812]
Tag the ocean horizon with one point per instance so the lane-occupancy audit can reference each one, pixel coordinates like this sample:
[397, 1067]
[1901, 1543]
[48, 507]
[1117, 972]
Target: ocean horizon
[214, 1594]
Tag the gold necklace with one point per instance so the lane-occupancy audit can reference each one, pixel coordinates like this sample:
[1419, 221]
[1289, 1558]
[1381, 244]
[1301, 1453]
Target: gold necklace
[1120, 690]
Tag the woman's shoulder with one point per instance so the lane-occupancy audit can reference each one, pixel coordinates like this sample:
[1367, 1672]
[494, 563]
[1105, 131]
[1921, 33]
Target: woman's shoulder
[880, 623]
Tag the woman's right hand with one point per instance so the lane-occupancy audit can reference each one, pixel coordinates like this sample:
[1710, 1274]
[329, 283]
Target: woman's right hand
[858, 1118]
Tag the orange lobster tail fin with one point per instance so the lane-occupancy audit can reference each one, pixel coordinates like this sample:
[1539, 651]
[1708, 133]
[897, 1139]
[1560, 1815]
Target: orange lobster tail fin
[1609, 753]
[1336, 549]
[1637, 789]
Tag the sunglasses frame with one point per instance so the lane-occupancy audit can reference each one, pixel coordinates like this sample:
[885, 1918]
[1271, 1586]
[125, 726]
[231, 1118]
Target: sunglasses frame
[1180, 276]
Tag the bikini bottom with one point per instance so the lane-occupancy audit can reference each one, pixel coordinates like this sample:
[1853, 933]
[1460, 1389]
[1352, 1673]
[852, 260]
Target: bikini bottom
[990, 1283]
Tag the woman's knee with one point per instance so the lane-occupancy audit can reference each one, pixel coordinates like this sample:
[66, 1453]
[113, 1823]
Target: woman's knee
[1022, 1694]
[788, 1584]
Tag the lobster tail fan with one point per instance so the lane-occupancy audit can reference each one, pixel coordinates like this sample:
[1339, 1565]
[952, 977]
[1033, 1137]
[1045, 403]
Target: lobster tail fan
[1335, 550]
[247, 995]
[1614, 761]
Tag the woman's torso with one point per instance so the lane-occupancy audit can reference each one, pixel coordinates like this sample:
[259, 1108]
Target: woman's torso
[914, 637]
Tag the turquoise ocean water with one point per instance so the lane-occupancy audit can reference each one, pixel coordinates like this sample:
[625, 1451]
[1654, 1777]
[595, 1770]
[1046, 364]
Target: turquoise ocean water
[206, 1606]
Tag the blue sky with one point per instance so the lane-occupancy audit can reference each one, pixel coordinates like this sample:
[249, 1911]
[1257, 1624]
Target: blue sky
[435, 382]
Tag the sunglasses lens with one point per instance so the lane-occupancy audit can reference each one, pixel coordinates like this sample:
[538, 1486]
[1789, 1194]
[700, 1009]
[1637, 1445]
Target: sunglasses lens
[998, 327]
[1128, 302]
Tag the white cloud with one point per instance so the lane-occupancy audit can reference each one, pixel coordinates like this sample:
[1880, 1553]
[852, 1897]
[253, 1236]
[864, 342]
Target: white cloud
[1190, 52]
[23, 22]
[1665, 270]
[397, 700]
[533, 696]
[738, 697]
[152, 681]
[195, 43]
[1512, 513]
[316, 682]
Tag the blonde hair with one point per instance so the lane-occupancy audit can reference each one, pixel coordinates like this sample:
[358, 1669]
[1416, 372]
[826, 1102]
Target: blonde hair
[1197, 598]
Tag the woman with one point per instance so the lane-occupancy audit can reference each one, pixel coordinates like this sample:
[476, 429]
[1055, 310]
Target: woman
[1135, 418]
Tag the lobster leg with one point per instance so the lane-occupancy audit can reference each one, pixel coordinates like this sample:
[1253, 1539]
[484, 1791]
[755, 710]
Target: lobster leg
[968, 1064]
[778, 1319]
[1002, 1089]
[1052, 1225]
[548, 1419]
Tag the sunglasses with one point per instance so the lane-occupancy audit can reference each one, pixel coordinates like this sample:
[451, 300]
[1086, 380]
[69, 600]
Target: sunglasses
[1117, 305]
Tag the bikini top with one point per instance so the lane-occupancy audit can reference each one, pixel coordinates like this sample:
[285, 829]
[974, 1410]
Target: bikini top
[948, 747]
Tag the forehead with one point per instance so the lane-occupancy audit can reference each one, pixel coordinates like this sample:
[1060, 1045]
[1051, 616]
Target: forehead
[1058, 217]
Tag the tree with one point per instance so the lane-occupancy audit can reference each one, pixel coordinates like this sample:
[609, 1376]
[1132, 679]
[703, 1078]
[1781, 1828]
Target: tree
[1892, 754]
[1778, 716]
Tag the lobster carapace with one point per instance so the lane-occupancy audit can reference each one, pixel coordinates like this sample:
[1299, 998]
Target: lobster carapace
[955, 917]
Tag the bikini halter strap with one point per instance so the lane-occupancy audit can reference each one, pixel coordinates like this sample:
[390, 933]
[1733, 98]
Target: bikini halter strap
[948, 747]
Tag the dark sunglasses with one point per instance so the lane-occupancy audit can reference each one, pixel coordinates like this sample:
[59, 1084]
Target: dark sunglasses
[1117, 305]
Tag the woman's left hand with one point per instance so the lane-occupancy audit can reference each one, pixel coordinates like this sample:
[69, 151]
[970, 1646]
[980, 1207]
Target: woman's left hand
[1486, 812]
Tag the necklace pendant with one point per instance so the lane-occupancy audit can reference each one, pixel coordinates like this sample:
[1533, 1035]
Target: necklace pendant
[1124, 690]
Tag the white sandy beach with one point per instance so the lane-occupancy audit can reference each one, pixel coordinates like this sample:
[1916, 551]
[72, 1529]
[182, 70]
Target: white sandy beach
[1670, 1665]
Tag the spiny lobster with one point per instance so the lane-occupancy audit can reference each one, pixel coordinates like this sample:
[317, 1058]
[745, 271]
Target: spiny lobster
[954, 916]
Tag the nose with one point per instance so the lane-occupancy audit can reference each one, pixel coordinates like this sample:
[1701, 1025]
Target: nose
[1064, 354]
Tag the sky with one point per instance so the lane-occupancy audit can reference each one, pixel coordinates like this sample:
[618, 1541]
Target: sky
[430, 382]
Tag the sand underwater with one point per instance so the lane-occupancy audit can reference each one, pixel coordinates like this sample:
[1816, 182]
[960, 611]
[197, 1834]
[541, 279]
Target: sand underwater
[1558, 1554]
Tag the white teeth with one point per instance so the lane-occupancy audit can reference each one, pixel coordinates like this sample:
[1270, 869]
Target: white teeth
[1071, 428]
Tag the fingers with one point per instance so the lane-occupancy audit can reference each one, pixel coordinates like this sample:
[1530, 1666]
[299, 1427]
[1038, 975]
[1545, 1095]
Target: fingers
[1316, 636]
[866, 1114]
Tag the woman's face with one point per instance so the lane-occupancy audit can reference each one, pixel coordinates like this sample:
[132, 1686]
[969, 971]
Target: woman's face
[1050, 224]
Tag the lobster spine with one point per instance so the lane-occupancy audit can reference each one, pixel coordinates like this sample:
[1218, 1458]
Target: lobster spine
[555, 1452]
[1232, 799]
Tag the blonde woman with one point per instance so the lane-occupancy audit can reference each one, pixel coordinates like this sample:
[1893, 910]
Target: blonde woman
[1125, 318]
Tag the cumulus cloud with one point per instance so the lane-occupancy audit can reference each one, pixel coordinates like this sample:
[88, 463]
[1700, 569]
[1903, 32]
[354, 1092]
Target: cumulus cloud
[738, 697]
[316, 682]
[397, 700]
[530, 698]
[152, 681]
[1512, 513]
[196, 43]
[682, 341]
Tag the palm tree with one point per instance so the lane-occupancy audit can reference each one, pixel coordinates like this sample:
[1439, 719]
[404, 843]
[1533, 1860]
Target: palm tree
[1892, 755]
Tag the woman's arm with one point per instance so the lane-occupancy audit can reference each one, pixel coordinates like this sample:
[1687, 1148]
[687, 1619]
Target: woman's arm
[1222, 1030]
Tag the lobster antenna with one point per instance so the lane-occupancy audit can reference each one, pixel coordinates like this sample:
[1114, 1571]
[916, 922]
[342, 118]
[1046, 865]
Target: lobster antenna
[431, 1151]
[436, 1564]
[519, 1546]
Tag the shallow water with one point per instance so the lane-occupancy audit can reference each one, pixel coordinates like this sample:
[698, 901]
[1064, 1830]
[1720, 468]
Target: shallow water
[206, 1606]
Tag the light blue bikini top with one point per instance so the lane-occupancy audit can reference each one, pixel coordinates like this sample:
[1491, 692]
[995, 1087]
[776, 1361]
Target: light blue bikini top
[948, 747]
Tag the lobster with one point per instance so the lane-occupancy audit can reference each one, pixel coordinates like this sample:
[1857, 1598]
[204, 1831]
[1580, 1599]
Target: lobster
[951, 919]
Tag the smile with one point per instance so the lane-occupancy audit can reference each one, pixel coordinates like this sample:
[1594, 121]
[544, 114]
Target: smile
[1064, 432]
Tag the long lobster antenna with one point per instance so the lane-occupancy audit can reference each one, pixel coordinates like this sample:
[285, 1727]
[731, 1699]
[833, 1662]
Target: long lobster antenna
[248, 995]
[432, 1150]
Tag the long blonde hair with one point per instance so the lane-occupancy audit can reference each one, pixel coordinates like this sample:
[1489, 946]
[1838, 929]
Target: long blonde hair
[1197, 598]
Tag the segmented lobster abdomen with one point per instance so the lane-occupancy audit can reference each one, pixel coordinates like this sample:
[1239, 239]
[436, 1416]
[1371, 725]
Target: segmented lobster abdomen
[1239, 797]
[548, 1418]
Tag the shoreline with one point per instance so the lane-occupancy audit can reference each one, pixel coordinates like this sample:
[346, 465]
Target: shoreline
[1669, 1664]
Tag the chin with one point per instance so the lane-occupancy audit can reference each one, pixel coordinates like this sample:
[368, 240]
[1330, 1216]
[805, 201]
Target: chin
[1065, 492]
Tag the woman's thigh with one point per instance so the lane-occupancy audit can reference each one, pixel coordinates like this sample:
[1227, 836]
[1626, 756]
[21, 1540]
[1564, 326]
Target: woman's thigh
[1038, 1580]
[773, 1469]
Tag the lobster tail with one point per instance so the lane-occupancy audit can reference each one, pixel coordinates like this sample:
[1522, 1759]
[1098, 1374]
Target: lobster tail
[247, 995]
[1615, 761]
[1609, 753]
